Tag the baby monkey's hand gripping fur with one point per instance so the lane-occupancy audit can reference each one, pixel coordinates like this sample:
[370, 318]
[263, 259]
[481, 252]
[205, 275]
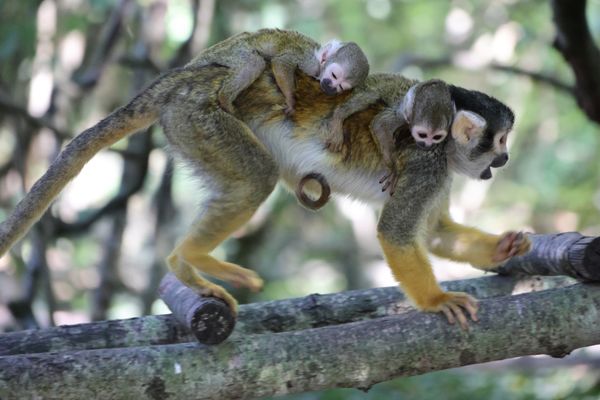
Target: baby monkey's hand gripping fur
[339, 66]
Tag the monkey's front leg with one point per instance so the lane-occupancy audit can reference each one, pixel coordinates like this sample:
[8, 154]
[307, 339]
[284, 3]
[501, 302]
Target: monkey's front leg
[411, 268]
[399, 232]
[284, 70]
[359, 100]
[383, 127]
[483, 250]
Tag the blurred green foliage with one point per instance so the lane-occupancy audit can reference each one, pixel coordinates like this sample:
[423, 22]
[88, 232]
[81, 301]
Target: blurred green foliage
[551, 183]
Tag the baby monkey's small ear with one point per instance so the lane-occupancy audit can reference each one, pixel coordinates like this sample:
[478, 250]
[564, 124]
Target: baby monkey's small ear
[467, 126]
[328, 50]
[408, 102]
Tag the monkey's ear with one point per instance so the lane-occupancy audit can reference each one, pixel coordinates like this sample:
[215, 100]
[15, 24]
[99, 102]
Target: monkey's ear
[327, 50]
[467, 126]
[408, 102]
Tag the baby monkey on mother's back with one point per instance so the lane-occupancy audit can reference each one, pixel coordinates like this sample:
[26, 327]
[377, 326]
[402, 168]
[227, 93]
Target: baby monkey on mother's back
[339, 66]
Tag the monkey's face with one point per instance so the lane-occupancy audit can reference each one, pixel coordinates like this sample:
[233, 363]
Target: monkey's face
[334, 79]
[428, 108]
[480, 140]
[477, 147]
[498, 152]
[426, 137]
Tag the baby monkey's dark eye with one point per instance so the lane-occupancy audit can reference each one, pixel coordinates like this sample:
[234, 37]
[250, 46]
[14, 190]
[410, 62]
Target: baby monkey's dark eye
[437, 137]
[334, 77]
[422, 135]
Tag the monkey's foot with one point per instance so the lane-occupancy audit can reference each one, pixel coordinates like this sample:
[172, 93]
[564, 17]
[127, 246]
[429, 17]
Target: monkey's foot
[245, 278]
[219, 292]
[388, 181]
[453, 305]
[511, 244]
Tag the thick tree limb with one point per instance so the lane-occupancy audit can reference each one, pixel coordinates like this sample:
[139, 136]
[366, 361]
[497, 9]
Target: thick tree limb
[265, 317]
[569, 254]
[576, 44]
[350, 355]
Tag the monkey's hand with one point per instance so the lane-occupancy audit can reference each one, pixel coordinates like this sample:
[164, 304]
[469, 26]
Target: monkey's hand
[511, 244]
[453, 305]
[335, 137]
[290, 106]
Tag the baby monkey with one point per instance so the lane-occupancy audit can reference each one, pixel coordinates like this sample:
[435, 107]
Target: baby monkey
[339, 66]
[425, 109]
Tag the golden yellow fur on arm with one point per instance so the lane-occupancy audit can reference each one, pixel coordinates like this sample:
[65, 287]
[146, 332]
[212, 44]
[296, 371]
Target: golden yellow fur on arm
[449, 239]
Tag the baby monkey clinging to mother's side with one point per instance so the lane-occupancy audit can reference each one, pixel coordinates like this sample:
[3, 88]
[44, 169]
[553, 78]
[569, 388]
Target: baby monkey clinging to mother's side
[339, 66]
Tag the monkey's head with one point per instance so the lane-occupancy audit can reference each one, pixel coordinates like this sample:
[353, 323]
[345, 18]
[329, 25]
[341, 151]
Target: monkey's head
[343, 66]
[479, 129]
[428, 109]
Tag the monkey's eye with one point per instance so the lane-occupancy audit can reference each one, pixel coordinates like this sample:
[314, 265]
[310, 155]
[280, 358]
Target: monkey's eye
[422, 135]
[503, 139]
[333, 75]
[437, 137]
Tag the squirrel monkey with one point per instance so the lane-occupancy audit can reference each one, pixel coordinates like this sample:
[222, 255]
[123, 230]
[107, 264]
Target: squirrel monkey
[339, 66]
[425, 108]
[240, 159]
[416, 219]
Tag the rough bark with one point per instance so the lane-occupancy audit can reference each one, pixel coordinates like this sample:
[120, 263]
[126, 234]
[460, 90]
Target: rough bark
[265, 317]
[357, 354]
[569, 254]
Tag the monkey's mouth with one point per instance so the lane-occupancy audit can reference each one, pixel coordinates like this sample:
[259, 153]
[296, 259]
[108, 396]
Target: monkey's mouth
[486, 174]
[327, 88]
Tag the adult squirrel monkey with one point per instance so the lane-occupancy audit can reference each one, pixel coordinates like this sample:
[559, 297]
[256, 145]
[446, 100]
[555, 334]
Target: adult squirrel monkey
[241, 157]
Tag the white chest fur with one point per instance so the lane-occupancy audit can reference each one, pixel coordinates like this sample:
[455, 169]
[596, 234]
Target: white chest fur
[297, 157]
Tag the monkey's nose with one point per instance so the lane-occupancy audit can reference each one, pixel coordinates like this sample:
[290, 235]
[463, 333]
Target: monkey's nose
[327, 88]
[499, 161]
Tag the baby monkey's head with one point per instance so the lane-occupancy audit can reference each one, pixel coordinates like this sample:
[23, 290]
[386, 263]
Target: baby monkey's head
[428, 109]
[343, 66]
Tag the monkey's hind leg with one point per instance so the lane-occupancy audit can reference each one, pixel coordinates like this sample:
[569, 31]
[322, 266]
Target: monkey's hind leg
[243, 174]
[241, 77]
[191, 258]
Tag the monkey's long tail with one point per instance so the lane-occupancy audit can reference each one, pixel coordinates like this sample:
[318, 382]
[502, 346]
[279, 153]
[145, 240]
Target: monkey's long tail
[141, 112]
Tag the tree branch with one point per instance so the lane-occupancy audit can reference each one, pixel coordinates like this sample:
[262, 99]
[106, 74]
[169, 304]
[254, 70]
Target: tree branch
[576, 44]
[7, 106]
[568, 254]
[257, 318]
[348, 355]
[428, 62]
